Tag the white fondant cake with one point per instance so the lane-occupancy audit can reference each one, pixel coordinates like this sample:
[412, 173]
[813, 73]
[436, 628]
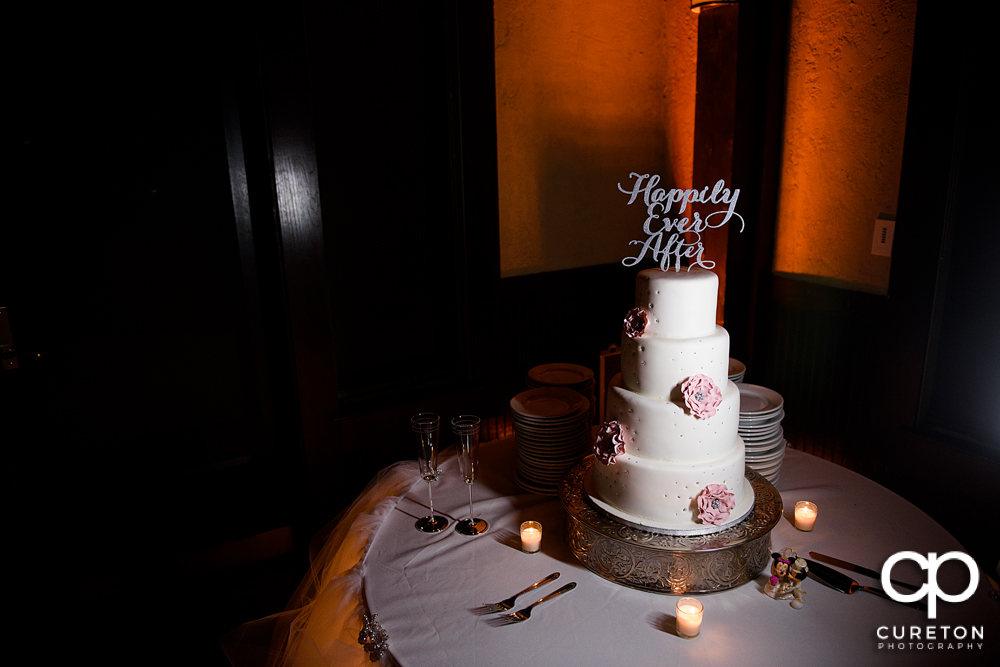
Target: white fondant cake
[663, 446]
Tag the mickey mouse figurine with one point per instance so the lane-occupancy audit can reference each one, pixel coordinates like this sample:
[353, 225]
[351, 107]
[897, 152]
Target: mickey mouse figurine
[797, 573]
[787, 573]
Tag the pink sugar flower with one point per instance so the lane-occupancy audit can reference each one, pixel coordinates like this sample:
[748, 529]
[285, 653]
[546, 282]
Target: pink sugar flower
[609, 443]
[701, 396]
[715, 503]
[635, 322]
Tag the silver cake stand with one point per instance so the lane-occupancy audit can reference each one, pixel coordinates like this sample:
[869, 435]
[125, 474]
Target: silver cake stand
[669, 564]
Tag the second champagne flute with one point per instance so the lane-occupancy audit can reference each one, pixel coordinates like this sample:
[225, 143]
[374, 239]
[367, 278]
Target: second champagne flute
[466, 428]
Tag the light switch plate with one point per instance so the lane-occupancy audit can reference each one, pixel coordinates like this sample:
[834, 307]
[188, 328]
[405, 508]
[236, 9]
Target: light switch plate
[882, 239]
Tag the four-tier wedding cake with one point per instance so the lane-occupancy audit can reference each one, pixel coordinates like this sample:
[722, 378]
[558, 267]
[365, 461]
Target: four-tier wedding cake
[669, 458]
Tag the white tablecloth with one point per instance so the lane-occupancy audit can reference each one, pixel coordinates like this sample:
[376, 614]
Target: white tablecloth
[426, 588]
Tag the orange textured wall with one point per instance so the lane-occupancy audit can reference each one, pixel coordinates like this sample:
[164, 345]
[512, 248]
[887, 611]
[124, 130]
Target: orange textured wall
[586, 93]
[845, 118]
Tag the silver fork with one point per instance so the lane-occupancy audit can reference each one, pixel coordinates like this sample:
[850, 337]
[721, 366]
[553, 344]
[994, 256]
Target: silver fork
[505, 605]
[525, 614]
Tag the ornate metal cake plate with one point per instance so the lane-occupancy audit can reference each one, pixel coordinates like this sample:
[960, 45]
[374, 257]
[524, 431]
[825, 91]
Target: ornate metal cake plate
[670, 564]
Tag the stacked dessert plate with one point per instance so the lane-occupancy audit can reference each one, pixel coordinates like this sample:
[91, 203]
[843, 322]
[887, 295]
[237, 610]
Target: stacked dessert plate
[571, 376]
[761, 412]
[737, 369]
[552, 433]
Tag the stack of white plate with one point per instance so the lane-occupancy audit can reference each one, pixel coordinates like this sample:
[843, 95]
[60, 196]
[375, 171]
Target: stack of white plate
[571, 376]
[761, 412]
[737, 369]
[552, 435]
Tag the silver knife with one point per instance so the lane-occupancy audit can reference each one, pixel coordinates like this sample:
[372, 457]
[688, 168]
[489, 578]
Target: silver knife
[845, 584]
[860, 570]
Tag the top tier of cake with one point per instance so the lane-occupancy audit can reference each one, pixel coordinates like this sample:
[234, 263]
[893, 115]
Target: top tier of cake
[678, 304]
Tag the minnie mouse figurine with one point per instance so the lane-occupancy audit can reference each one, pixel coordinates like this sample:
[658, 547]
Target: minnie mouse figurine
[787, 573]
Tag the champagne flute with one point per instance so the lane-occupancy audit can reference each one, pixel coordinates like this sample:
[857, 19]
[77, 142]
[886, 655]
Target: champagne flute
[427, 425]
[466, 427]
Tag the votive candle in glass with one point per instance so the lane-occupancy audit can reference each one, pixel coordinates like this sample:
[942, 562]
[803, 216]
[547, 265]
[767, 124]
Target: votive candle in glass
[531, 537]
[689, 613]
[805, 515]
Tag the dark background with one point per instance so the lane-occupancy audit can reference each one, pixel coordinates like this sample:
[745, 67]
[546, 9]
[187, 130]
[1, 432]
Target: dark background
[248, 242]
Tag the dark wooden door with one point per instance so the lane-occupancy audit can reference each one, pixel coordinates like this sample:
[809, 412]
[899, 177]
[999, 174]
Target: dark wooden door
[246, 246]
[198, 204]
[153, 420]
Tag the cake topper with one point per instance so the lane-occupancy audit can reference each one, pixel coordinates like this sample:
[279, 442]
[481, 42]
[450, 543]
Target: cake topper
[659, 224]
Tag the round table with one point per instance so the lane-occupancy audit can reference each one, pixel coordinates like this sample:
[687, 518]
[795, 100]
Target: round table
[427, 588]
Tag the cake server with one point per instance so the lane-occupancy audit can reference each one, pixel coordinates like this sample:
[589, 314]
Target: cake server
[860, 570]
[845, 584]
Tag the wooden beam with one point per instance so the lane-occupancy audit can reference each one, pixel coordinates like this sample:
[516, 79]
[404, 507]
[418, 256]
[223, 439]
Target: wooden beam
[715, 119]
[285, 75]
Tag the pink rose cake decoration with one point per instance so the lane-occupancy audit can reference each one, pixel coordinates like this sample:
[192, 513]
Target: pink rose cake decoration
[635, 323]
[715, 502]
[701, 396]
[609, 443]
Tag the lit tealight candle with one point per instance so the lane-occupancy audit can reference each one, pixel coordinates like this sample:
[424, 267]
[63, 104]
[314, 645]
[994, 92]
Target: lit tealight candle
[689, 612]
[805, 515]
[531, 537]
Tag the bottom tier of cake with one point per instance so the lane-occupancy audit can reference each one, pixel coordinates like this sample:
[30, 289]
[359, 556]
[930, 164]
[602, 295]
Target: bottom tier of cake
[663, 495]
